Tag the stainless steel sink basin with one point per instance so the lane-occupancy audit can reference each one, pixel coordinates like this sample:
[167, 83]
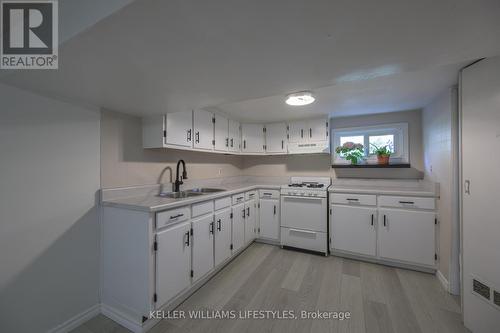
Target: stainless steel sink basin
[179, 195]
[205, 190]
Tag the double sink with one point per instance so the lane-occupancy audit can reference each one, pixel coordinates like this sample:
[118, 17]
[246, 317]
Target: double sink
[190, 193]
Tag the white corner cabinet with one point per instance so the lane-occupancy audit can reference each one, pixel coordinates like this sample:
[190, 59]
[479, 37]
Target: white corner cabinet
[396, 230]
[168, 254]
[201, 130]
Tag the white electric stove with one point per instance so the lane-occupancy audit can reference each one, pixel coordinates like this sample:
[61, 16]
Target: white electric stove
[304, 213]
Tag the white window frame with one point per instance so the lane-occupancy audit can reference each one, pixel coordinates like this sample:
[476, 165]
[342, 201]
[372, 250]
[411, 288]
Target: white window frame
[401, 141]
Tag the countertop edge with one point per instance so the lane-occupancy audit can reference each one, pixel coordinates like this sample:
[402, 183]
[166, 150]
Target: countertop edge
[412, 193]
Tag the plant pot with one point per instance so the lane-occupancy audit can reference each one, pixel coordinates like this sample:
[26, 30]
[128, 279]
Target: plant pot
[383, 159]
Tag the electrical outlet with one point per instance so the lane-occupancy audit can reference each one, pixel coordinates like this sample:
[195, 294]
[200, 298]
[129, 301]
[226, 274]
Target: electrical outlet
[220, 172]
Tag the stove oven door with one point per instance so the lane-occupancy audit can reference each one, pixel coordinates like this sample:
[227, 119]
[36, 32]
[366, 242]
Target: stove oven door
[308, 213]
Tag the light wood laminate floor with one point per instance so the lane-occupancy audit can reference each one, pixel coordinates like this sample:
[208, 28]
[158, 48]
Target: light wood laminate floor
[265, 277]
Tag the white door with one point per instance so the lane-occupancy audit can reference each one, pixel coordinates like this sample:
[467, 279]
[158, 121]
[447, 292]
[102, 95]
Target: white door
[307, 213]
[222, 236]
[179, 128]
[203, 246]
[252, 136]
[353, 229]
[269, 219]
[221, 136]
[406, 235]
[239, 215]
[296, 131]
[203, 129]
[250, 227]
[276, 141]
[234, 136]
[317, 129]
[173, 262]
[480, 98]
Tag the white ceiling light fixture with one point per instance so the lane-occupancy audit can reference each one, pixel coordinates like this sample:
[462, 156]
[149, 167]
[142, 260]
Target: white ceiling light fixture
[300, 98]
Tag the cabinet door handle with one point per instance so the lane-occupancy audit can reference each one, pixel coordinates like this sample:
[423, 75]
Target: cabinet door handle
[188, 238]
[282, 144]
[197, 137]
[176, 216]
[467, 187]
[248, 211]
[385, 223]
[407, 202]
[188, 134]
[301, 133]
[274, 209]
[218, 224]
[211, 230]
[372, 219]
[244, 144]
[227, 142]
[231, 142]
[352, 199]
[243, 211]
[267, 193]
[310, 133]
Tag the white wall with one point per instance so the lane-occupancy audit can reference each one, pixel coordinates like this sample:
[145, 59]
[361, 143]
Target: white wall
[439, 139]
[49, 236]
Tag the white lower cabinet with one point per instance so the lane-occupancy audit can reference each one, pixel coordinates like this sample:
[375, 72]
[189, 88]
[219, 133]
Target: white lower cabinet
[203, 246]
[238, 226]
[250, 221]
[173, 263]
[222, 249]
[353, 229]
[407, 235]
[269, 219]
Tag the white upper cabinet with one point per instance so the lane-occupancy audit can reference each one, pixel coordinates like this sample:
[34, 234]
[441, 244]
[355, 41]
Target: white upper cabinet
[203, 129]
[317, 129]
[179, 129]
[296, 131]
[234, 136]
[253, 140]
[276, 138]
[221, 136]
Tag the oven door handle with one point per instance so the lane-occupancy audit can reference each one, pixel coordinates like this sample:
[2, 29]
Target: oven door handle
[300, 198]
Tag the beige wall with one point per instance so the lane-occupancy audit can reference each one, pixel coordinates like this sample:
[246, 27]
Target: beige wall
[124, 162]
[321, 164]
[438, 157]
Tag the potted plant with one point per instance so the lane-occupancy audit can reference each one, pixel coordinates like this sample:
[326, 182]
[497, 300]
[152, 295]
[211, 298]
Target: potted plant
[351, 151]
[383, 154]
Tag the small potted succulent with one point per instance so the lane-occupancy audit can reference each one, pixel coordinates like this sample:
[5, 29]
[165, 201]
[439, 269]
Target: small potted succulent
[383, 153]
[351, 151]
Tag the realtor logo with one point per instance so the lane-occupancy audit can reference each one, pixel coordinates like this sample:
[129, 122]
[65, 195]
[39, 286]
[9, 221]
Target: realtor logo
[29, 35]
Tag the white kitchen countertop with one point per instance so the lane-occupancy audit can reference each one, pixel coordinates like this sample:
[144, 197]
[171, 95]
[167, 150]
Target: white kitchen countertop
[386, 187]
[152, 203]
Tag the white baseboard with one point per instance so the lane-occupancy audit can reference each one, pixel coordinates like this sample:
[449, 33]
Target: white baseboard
[443, 280]
[77, 320]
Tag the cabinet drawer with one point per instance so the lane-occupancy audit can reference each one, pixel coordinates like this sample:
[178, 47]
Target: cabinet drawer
[238, 198]
[353, 199]
[304, 239]
[222, 203]
[250, 195]
[202, 208]
[407, 202]
[172, 216]
[269, 194]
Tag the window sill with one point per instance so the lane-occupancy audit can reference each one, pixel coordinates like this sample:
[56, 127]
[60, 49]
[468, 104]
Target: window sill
[371, 166]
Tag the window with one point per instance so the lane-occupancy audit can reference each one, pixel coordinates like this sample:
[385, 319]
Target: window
[395, 136]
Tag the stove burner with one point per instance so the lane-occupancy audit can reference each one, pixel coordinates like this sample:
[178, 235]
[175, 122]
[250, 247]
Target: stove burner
[315, 185]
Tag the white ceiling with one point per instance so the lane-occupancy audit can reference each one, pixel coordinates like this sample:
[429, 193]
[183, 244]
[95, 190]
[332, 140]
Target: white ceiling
[156, 56]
